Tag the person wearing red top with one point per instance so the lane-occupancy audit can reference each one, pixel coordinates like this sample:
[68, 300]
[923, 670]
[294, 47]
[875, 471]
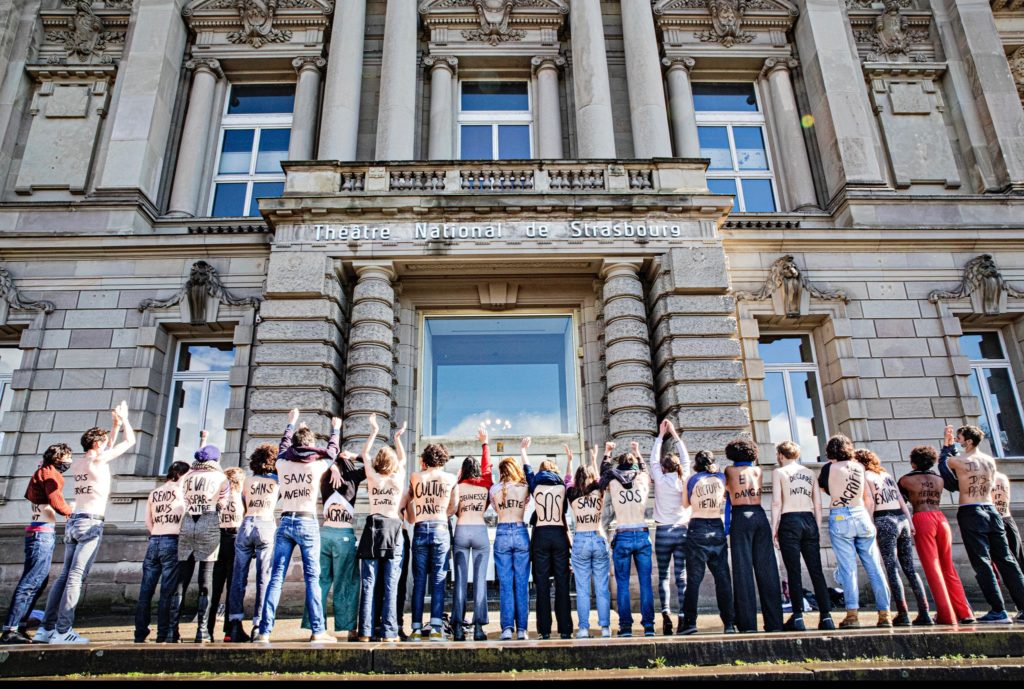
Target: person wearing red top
[471, 543]
[45, 493]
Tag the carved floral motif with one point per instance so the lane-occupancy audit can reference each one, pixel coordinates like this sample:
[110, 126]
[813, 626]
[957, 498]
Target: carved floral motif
[494, 17]
[86, 34]
[726, 23]
[1017, 70]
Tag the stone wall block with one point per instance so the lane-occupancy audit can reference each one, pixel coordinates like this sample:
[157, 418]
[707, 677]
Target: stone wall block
[297, 353]
[301, 309]
[370, 332]
[379, 356]
[697, 269]
[626, 328]
[370, 310]
[285, 399]
[696, 348]
[295, 273]
[705, 393]
[627, 351]
[694, 326]
[692, 304]
[364, 378]
[622, 287]
[295, 377]
[623, 308]
[297, 331]
[710, 417]
[629, 374]
[375, 288]
[366, 402]
[699, 370]
[631, 397]
[632, 423]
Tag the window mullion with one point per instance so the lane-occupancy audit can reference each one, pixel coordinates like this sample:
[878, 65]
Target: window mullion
[993, 422]
[790, 407]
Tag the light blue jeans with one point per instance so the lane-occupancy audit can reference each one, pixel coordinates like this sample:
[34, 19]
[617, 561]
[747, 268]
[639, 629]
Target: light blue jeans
[82, 538]
[630, 547]
[387, 604]
[305, 533]
[512, 569]
[853, 535]
[591, 563]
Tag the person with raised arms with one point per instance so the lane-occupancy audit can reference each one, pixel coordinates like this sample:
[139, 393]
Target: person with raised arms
[84, 529]
[300, 465]
[851, 529]
[668, 474]
[165, 508]
[510, 496]
[471, 544]
[922, 488]
[982, 529]
[796, 520]
[230, 521]
[431, 498]
[706, 546]
[255, 540]
[380, 546]
[591, 560]
[549, 547]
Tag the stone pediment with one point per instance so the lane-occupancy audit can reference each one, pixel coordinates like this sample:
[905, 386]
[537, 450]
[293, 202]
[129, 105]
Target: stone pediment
[84, 32]
[226, 28]
[752, 7]
[753, 28]
[467, 27]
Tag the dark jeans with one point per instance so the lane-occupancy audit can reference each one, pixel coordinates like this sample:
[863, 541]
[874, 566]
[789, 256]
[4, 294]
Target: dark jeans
[984, 536]
[706, 547]
[670, 549]
[39, 547]
[431, 543]
[1013, 539]
[550, 550]
[186, 568]
[222, 578]
[799, 535]
[403, 580]
[160, 565]
[753, 557]
[633, 547]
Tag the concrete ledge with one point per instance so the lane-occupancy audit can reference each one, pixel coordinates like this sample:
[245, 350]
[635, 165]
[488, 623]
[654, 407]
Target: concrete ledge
[496, 657]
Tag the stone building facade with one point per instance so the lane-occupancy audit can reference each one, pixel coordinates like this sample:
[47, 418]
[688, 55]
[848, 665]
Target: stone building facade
[777, 218]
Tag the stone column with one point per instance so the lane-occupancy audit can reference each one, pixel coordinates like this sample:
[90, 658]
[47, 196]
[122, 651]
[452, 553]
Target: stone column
[369, 370]
[786, 122]
[396, 118]
[647, 112]
[195, 136]
[307, 96]
[442, 120]
[549, 111]
[594, 125]
[631, 404]
[339, 125]
[684, 117]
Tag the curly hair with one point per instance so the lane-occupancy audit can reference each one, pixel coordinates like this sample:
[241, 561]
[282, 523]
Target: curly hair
[386, 461]
[923, 457]
[741, 450]
[94, 438]
[839, 448]
[263, 459]
[236, 475]
[870, 461]
[434, 456]
[59, 453]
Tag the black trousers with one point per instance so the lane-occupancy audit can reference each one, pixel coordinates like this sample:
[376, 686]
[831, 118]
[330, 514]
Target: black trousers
[798, 535]
[984, 535]
[222, 569]
[403, 580]
[706, 547]
[550, 553]
[186, 568]
[753, 557]
[1013, 539]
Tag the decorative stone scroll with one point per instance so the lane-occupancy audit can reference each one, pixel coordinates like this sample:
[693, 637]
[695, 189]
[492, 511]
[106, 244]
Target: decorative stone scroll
[12, 299]
[203, 284]
[985, 286]
[790, 290]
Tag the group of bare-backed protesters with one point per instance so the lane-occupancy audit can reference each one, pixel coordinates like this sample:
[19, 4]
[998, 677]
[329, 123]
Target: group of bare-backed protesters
[219, 521]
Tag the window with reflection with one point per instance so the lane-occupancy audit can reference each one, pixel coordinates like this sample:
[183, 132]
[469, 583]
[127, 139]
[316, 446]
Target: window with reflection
[793, 391]
[494, 120]
[731, 130]
[254, 136]
[517, 372]
[200, 396]
[992, 382]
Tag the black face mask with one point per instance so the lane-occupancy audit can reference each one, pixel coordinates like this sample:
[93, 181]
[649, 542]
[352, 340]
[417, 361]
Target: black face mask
[61, 467]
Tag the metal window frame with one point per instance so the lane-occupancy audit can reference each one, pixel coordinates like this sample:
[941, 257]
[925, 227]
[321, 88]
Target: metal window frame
[786, 369]
[979, 365]
[206, 377]
[495, 118]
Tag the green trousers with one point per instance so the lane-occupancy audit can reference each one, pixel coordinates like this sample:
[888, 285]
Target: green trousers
[339, 569]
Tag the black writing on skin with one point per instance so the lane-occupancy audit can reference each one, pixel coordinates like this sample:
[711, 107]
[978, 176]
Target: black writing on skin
[854, 487]
[588, 508]
[801, 484]
[257, 505]
[427, 509]
[337, 513]
[636, 495]
[261, 488]
[167, 519]
[511, 504]
[887, 493]
[297, 493]
[79, 488]
[298, 478]
[549, 506]
[709, 494]
[383, 496]
[978, 486]
[471, 503]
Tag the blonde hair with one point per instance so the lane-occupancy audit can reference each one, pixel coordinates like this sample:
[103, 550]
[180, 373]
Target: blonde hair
[788, 449]
[509, 471]
[386, 461]
[236, 475]
[549, 465]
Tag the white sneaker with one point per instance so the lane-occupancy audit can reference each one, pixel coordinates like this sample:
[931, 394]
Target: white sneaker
[583, 634]
[322, 638]
[606, 632]
[43, 636]
[70, 637]
[261, 639]
[506, 635]
[522, 635]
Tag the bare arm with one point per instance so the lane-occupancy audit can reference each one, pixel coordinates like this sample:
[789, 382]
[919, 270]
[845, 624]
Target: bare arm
[368, 448]
[869, 496]
[453, 502]
[129, 437]
[816, 497]
[149, 514]
[115, 429]
[399, 448]
[777, 480]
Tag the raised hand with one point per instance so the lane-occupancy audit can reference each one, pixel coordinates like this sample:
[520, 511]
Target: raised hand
[374, 426]
[593, 454]
[203, 435]
[401, 431]
[335, 476]
[335, 423]
[672, 429]
[948, 437]
[662, 428]
[293, 416]
[524, 444]
[609, 447]
[481, 435]
[634, 448]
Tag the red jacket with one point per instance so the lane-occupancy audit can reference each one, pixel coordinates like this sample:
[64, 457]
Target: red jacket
[485, 480]
[46, 487]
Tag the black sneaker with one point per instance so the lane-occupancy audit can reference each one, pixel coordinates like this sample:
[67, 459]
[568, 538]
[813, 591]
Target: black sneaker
[923, 619]
[827, 624]
[402, 635]
[478, 633]
[731, 629]
[649, 631]
[13, 636]
[565, 636]
[686, 631]
[458, 632]
[795, 624]
[666, 624]
[545, 637]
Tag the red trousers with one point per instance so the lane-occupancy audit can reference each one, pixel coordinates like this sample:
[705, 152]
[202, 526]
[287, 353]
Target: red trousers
[934, 542]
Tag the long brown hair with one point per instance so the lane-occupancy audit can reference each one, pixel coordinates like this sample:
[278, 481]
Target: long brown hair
[509, 471]
[870, 461]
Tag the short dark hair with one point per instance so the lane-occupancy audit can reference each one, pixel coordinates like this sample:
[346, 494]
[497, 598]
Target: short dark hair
[59, 453]
[434, 456]
[93, 436]
[972, 433]
[923, 457]
[741, 450]
[303, 437]
[839, 448]
[177, 470]
[263, 459]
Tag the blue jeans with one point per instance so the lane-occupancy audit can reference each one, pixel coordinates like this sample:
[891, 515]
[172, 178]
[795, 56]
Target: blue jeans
[82, 538]
[160, 565]
[633, 546]
[472, 549]
[39, 547]
[390, 571]
[512, 569]
[291, 532]
[591, 562]
[431, 542]
[853, 535]
[254, 540]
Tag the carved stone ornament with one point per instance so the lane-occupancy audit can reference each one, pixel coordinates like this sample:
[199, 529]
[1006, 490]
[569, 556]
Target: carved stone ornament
[257, 17]
[790, 289]
[984, 284]
[9, 293]
[891, 36]
[1017, 69]
[726, 23]
[203, 282]
[494, 17]
[85, 35]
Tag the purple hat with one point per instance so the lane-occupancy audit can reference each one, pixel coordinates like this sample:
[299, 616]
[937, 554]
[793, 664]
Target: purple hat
[208, 454]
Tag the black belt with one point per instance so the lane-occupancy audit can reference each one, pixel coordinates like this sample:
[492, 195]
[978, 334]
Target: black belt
[86, 515]
[299, 515]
